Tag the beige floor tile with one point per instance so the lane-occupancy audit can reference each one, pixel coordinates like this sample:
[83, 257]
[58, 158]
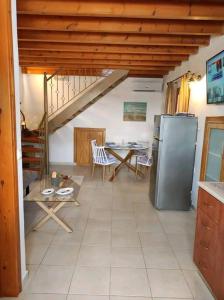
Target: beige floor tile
[50, 227]
[177, 216]
[122, 205]
[129, 298]
[129, 282]
[171, 298]
[78, 224]
[102, 238]
[31, 269]
[124, 225]
[143, 206]
[117, 214]
[106, 185]
[127, 257]
[94, 256]
[123, 215]
[197, 286]
[61, 255]
[91, 281]
[51, 279]
[125, 239]
[35, 254]
[144, 225]
[103, 202]
[178, 227]
[98, 225]
[160, 258]
[63, 238]
[43, 297]
[168, 283]
[181, 241]
[39, 237]
[100, 214]
[146, 215]
[185, 259]
[153, 239]
[84, 297]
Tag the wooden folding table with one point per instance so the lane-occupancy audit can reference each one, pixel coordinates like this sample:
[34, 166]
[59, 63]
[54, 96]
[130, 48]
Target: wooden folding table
[52, 203]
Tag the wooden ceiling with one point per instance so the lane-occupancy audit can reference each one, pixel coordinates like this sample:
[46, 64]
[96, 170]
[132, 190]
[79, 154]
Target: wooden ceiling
[147, 37]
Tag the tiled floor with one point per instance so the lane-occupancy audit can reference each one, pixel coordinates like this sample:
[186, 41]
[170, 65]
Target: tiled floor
[121, 247]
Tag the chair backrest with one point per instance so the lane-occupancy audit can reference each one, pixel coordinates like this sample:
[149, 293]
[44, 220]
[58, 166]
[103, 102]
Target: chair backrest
[99, 154]
[145, 160]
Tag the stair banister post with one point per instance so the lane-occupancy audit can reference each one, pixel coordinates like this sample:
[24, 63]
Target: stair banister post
[46, 125]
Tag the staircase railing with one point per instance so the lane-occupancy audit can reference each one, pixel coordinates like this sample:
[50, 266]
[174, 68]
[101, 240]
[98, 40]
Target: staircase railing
[42, 136]
[60, 91]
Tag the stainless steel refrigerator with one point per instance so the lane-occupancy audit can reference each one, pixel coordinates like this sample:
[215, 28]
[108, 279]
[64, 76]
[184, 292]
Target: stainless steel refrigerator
[173, 154]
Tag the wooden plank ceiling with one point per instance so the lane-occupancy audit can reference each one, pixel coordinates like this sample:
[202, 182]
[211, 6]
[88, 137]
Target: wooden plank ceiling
[147, 37]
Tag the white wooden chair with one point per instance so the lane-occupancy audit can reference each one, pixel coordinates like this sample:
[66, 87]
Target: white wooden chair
[143, 160]
[100, 157]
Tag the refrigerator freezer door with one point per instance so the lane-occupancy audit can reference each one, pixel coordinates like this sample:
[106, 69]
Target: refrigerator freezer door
[175, 163]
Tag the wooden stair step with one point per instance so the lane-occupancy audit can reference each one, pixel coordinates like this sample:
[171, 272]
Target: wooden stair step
[27, 149]
[31, 159]
[32, 139]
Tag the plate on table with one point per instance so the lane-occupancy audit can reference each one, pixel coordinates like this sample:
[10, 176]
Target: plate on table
[47, 191]
[65, 191]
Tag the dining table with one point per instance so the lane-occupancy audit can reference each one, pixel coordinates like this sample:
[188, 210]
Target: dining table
[131, 149]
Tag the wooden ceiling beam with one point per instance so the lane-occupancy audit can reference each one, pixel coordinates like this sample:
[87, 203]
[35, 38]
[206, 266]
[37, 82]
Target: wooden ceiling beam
[140, 73]
[63, 71]
[155, 9]
[93, 66]
[64, 47]
[111, 38]
[85, 67]
[116, 25]
[72, 61]
[88, 72]
[107, 56]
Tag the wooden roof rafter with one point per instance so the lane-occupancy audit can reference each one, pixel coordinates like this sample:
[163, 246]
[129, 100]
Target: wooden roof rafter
[134, 34]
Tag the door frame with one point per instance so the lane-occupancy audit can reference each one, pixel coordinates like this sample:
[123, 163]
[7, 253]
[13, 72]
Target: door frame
[85, 129]
[210, 123]
[10, 273]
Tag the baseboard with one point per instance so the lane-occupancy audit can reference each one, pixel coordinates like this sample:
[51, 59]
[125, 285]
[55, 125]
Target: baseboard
[53, 163]
[25, 278]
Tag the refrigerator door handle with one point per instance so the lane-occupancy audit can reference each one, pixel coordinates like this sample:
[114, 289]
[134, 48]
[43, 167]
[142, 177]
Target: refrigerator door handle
[157, 139]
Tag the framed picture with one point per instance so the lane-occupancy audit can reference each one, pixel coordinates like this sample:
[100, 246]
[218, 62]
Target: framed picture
[135, 111]
[215, 79]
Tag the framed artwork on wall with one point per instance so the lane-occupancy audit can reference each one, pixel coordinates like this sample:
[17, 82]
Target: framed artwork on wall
[135, 111]
[215, 79]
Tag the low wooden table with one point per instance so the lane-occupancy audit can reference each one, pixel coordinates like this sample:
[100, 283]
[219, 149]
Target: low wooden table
[124, 161]
[57, 201]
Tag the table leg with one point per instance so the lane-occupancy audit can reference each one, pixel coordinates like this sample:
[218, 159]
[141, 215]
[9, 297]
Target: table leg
[124, 161]
[51, 214]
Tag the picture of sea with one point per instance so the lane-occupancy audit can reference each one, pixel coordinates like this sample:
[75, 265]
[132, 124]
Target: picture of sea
[135, 111]
[215, 79]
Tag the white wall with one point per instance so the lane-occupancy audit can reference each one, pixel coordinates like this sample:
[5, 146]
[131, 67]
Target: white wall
[18, 137]
[198, 105]
[108, 113]
[32, 98]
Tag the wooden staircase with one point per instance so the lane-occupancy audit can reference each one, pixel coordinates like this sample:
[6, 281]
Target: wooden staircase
[87, 99]
[33, 150]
